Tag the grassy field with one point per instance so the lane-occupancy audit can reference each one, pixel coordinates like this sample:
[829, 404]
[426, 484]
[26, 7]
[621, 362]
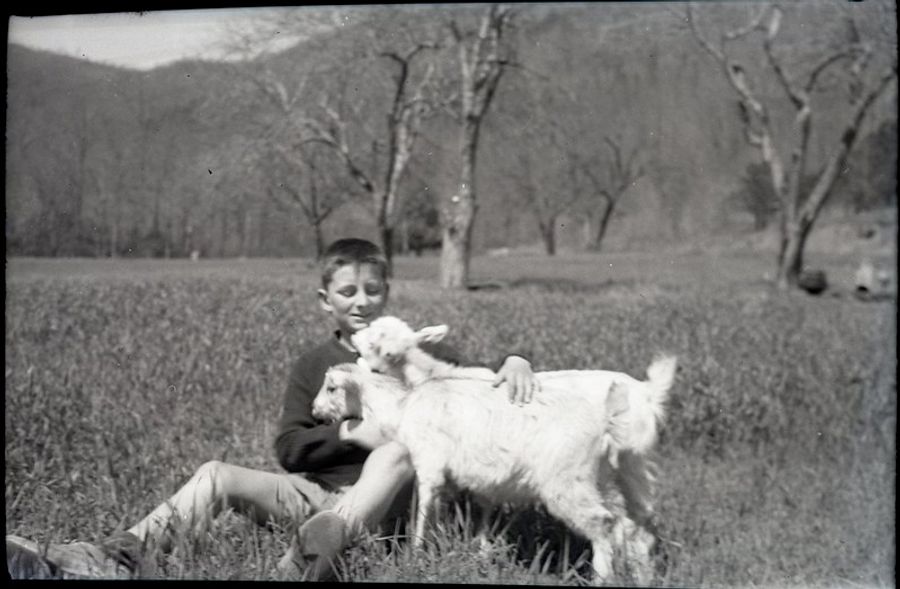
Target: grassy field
[777, 458]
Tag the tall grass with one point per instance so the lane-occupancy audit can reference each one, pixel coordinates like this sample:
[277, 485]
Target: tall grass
[777, 457]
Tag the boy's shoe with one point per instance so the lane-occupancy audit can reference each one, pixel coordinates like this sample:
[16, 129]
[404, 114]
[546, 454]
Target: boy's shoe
[22, 562]
[314, 549]
[114, 558]
[291, 564]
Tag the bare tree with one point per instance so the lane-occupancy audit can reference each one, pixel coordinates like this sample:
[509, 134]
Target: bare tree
[549, 193]
[482, 60]
[539, 159]
[110, 186]
[320, 104]
[317, 202]
[851, 56]
[408, 106]
[622, 170]
[672, 181]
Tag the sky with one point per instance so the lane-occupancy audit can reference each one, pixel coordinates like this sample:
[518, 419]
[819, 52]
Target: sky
[134, 40]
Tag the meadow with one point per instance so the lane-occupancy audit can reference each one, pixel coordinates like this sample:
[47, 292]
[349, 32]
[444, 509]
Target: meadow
[777, 459]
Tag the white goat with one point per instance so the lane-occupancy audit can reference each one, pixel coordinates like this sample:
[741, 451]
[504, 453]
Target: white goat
[468, 433]
[390, 346]
[633, 410]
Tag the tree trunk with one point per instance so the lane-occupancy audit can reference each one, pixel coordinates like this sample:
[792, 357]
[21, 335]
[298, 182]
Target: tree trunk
[262, 228]
[386, 233]
[247, 232]
[113, 212]
[239, 228]
[760, 220]
[586, 232]
[508, 226]
[548, 233]
[156, 207]
[459, 217]
[114, 238]
[481, 68]
[404, 236]
[454, 259]
[167, 240]
[320, 239]
[223, 232]
[605, 216]
[186, 241]
[383, 202]
[790, 255]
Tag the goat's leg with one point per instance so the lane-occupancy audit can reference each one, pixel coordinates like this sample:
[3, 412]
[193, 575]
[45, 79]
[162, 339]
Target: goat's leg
[426, 490]
[579, 505]
[485, 510]
[610, 449]
[635, 480]
[636, 543]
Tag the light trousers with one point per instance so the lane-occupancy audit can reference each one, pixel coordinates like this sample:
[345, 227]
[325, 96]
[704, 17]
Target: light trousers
[382, 493]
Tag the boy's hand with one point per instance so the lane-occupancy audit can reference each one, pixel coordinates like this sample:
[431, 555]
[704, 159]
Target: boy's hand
[361, 433]
[516, 373]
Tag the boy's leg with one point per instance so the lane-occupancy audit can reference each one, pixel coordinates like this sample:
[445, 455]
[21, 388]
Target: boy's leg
[363, 506]
[216, 485]
[254, 493]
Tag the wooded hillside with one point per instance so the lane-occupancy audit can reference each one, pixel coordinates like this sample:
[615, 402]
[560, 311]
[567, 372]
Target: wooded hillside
[204, 156]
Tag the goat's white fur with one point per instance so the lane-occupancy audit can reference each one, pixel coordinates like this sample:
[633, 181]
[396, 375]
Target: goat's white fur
[633, 409]
[466, 431]
[390, 346]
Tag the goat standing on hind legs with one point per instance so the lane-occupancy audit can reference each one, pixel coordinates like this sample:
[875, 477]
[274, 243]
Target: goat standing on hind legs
[464, 431]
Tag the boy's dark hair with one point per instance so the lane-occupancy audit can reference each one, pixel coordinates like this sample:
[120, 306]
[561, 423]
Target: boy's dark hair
[351, 251]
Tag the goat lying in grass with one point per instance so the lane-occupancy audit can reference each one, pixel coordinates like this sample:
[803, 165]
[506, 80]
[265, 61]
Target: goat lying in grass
[466, 432]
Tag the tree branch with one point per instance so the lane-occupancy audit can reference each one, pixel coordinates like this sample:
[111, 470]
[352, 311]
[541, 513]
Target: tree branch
[753, 25]
[334, 139]
[822, 65]
[704, 43]
[798, 97]
[838, 158]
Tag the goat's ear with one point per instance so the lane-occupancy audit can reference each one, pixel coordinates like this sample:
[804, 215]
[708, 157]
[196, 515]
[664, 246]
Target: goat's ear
[351, 387]
[353, 403]
[431, 334]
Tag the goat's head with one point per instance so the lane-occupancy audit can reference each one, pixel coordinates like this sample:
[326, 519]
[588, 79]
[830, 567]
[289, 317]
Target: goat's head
[339, 397]
[383, 344]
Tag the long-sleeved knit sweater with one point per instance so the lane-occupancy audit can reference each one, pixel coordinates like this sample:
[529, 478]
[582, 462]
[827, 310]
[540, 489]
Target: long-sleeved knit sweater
[306, 445]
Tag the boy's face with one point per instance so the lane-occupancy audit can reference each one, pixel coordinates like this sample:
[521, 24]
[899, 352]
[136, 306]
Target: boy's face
[355, 297]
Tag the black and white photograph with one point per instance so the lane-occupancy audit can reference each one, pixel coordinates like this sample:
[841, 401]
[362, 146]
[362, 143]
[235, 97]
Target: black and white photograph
[592, 294]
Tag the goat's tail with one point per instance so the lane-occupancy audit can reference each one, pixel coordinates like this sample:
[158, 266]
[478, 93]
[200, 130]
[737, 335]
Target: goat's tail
[660, 375]
[635, 409]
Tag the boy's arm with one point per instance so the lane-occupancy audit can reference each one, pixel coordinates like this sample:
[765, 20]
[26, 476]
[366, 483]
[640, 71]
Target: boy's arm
[514, 369]
[520, 380]
[448, 353]
[303, 444]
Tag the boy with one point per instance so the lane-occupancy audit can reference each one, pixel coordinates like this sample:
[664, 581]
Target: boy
[345, 474]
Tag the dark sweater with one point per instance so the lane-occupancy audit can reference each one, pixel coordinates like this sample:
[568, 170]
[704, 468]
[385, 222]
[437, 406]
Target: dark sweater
[306, 445]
